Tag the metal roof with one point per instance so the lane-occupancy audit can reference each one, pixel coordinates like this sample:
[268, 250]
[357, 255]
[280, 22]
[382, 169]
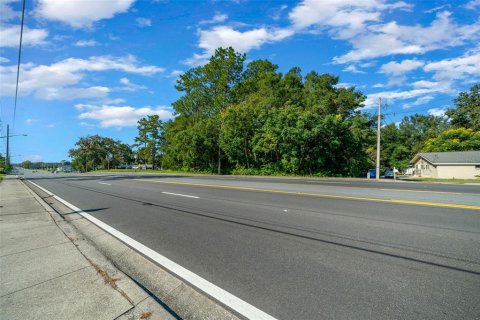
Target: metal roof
[453, 157]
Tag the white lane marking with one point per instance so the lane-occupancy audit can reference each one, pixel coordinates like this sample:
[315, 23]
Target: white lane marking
[180, 195]
[219, 294]
[107, 184]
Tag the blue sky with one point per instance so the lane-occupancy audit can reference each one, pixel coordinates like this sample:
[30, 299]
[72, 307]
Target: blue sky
[96, 67]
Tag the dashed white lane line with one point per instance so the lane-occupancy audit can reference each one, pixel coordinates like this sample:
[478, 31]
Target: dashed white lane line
[217, 293]
[180, 195]
[107, 184]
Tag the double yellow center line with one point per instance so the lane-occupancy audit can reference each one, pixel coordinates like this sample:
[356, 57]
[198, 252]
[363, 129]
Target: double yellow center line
[319, 195]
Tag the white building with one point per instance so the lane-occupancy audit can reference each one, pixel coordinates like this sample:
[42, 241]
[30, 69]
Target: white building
[447, 165]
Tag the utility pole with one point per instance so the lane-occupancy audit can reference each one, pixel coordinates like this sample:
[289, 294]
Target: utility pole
[377, 176]
[7, 159]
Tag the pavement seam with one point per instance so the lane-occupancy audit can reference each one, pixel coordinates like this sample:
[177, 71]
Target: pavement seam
[37, 227]
[14, 214]
[52, 245]
[97, 268]
[131, 308]
[51, 279]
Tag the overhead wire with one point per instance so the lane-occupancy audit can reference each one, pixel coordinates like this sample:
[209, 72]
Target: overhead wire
[18, 65]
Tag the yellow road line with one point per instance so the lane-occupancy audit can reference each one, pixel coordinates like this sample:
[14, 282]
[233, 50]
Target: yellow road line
[425, 191]
[320, 195]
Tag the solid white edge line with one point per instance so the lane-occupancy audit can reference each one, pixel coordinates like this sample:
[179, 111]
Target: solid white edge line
[219, 294]
[180, 195]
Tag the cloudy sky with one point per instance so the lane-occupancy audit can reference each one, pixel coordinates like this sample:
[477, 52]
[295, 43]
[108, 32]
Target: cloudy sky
[97, 66]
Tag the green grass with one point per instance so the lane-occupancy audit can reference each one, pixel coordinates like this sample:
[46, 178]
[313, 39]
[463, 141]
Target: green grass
[477, 180]
[1, 176]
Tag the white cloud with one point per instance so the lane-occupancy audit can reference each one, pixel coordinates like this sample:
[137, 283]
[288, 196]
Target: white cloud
[343, 19]
[225, 36]
[72, 93]
[120, 116]
[33, 158]
[456, 68]
[399, 68]
[143, 22]
[114, 101]
[392, 96]
[418, 102]
[472, 5]
[81, 13]
[10, 36]
[30, 121]
[4, 60]
[130, 86]
[57, 81]
[435, 85]
[176, 73]
[278, 12]
[438, 112]
[392, 38]
[322, 13]
[352, 68]
[6, 11]
[85, 43]
[435, 9]
[217, 18]
[51, 125]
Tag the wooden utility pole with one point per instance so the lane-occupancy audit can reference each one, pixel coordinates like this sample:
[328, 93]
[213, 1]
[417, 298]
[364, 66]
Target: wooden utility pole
[379, 125]
[7, 159]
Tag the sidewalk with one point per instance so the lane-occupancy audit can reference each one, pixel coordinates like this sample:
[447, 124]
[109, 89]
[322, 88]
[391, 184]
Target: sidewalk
[49, 271]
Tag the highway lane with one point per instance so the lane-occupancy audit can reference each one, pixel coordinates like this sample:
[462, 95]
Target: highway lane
[299, 257]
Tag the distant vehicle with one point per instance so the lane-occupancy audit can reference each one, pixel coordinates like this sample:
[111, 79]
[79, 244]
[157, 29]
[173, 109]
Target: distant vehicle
[372, 174]
[389, 174]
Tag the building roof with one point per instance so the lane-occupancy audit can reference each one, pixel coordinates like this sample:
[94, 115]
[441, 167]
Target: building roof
[453, 157]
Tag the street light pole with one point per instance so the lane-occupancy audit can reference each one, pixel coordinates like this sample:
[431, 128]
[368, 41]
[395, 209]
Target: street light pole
[8, 136]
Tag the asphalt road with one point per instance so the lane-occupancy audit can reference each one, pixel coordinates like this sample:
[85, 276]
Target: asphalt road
[303, 248]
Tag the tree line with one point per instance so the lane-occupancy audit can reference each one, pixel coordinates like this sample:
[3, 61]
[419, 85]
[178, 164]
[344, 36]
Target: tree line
[253, 119]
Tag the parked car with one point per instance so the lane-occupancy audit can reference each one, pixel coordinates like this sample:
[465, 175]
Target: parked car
[371, 174]
[389, 174]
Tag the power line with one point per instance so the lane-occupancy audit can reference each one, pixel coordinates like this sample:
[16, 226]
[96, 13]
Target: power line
[18, 66]
[411, 111]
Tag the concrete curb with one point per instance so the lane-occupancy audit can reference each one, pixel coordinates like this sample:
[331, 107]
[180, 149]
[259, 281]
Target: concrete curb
[175, 294]
[142, 302]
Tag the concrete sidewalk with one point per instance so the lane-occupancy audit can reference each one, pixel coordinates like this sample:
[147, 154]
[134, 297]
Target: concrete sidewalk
[49, 271]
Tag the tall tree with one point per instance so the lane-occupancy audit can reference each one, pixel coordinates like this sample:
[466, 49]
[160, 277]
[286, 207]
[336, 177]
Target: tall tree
[150, 137]
[455, 139]
[467, 113]
[97, 152]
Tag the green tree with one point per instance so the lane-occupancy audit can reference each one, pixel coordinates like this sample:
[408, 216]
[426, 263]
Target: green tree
[150, 138]
[258, 120]
[456, 139]
[467, 113]
[27, 164]
[96, 152]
